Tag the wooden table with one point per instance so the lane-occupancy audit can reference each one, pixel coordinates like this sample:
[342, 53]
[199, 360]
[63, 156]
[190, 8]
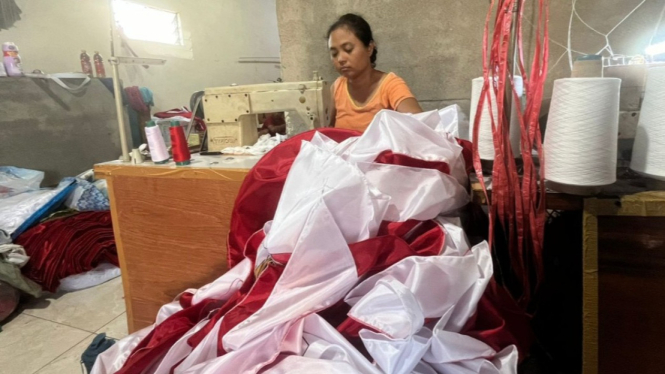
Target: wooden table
[624, 284]
[623, 275]
[170, 225]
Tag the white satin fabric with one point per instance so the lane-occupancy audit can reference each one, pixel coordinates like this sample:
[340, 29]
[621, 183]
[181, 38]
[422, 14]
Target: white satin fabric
[335, 196]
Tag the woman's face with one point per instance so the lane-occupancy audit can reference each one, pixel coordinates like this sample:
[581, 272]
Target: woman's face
[348, 53]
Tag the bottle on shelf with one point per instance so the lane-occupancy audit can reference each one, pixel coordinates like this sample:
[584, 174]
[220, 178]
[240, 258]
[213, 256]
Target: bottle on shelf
[86, 66]
[11, 59]
[99, 65]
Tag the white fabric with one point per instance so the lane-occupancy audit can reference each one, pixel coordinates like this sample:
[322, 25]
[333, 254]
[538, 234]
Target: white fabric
[403, 134]
[104, 272]
[112, 360]
[305, 365]
[262, 146]
[13, 254]
[334, 196]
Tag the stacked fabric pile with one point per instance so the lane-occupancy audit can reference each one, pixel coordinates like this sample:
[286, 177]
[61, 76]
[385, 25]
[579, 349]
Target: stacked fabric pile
[66, 246]
[347, 257]
[56, 232]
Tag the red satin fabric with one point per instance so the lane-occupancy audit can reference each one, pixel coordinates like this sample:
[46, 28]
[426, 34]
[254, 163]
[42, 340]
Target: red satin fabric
[388, 157]
[67, 246]
[259, 194]
[155, 345]
[256, 205]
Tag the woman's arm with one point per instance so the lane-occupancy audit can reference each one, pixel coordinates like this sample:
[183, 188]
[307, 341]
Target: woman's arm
[409, 105]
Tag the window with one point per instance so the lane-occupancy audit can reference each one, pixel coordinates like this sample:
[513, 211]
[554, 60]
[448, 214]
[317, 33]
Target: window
[140, 22]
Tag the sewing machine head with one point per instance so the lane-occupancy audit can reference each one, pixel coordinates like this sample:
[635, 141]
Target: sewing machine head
[231, 112]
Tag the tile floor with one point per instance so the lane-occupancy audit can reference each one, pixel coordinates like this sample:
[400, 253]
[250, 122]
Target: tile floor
[48, 335]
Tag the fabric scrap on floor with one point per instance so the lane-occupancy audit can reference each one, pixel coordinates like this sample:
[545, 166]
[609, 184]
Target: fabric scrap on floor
[72, 245]
[12, 258]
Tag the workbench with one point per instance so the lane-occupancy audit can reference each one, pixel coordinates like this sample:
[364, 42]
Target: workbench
[171, 225]
[623, 275]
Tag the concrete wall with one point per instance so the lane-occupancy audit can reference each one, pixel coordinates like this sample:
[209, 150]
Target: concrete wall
[51, 34]
[44, 127]
[436, 45]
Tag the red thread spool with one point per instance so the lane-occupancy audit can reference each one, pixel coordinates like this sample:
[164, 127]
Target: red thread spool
[179, 145]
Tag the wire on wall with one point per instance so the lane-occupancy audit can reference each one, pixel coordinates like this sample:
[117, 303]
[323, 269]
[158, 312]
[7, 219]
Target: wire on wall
[607, 47]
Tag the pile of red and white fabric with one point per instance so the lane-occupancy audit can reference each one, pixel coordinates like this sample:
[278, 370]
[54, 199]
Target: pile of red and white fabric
[347, 257]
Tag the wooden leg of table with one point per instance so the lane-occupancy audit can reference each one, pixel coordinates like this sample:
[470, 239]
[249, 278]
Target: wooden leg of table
[590, 285]
[121, 256]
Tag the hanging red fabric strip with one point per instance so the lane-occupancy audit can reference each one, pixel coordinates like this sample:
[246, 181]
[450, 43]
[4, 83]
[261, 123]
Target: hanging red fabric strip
[518, 204]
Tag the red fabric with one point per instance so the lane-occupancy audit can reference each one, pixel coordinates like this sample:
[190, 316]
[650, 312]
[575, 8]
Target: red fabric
[377, 254]
[499, 322]
[136, 100]
[155, 345]
[251, 303]
[67, 246]
[467, 154]
[182, 112]
[518, 203]
[258, 196]
[388, 157]
[256, 205]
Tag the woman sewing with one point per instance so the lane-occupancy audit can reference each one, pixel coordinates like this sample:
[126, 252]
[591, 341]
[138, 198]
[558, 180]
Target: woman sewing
[362, 91]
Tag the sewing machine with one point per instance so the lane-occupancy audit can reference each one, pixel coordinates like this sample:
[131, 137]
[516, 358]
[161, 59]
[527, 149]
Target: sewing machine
[231, 112]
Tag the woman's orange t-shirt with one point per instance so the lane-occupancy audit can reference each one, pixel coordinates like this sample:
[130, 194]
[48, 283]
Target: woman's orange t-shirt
[391, 92]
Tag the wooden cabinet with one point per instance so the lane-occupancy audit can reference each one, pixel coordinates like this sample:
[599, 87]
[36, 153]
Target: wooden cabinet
[624, 284]
[170, 226]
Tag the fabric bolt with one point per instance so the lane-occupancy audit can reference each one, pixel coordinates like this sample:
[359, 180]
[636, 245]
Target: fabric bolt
[72, 245]
[338, 268]
[23, 210]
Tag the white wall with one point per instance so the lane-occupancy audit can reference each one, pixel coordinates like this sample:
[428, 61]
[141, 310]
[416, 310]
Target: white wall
[52, 33]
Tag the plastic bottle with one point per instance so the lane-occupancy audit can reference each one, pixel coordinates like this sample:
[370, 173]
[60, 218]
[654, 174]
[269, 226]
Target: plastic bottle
[156, 144]
[99, 65]
[11, 59]
[86, 66]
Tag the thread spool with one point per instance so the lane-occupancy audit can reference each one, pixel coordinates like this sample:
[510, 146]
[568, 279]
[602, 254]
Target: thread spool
[179, 145]
[485, 136]
[649, 148]
[156, 143]
[582, 134]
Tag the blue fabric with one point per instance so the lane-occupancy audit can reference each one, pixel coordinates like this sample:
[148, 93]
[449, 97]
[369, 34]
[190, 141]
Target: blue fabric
[146, 94]
[66, 186]
[91, 199]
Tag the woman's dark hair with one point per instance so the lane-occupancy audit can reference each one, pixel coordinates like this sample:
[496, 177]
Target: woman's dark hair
[359, 27]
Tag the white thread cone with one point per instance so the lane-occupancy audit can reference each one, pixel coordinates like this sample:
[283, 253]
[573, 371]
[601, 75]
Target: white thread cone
[485, 142]
[649, 147]
[582, 132]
